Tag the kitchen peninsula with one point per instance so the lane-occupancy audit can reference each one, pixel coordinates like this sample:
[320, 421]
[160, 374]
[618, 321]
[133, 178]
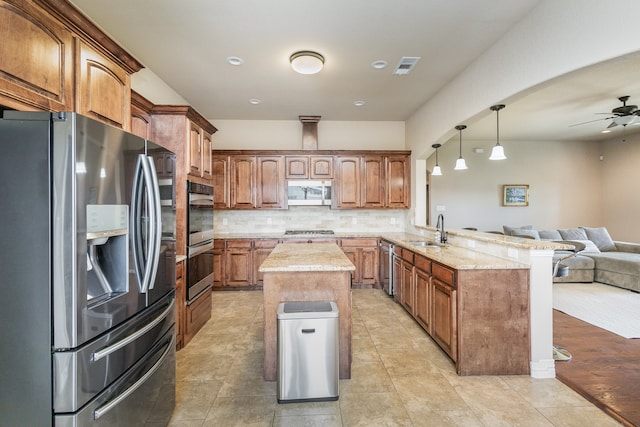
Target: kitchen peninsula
[295, 272]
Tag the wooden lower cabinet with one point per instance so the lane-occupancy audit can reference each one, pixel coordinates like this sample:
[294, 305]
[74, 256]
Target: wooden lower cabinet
[473, 315]
[197, 314]
[238, 263]
[261, 250]
[218, 263]
[180, 305]
[364, 254]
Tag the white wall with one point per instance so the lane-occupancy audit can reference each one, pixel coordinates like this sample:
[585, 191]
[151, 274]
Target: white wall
[564, 178]
[287, 135]
[621, 195]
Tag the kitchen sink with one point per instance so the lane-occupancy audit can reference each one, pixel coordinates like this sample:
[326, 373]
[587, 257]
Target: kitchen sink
[424, 244]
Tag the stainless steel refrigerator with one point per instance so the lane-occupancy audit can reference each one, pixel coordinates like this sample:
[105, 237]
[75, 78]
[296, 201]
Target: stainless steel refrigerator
[87, 275]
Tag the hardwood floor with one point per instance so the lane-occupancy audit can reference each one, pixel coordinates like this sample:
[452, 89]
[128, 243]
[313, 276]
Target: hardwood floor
[605, 367]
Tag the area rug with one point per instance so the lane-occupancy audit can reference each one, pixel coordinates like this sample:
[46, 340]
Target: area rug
[607, 307]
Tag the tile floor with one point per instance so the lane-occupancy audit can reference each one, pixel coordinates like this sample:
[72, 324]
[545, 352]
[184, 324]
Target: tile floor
[400, 377]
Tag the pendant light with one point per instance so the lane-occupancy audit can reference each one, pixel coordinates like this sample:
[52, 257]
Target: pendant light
[460, 163]
[436, 168]
[497, 153]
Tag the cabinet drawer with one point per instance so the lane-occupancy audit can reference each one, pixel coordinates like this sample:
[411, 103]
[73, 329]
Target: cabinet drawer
[266, 244]
[422, 263]
[240, 243]
[359, 242]
[218, 244]
[444, 274]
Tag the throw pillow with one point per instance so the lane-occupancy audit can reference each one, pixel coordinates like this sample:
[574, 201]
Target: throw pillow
[525, 232]
[573, 234]
[589, 246]
[550, 235]
[600, 236]
[508, 229]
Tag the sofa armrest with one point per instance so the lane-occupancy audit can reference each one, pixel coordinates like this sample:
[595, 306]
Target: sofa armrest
[628, 247]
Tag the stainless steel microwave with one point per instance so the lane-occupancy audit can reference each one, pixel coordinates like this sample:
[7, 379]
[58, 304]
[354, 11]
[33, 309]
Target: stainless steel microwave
[309, 193]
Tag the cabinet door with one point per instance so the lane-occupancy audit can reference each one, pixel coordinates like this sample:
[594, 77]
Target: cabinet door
[194, 159]
[398, 180]
[373, 180]
[218, 264]
[270, 182]
[181, 299]
[443, 320]
[397, 279]
[238, 265]
[352, 254]
[422, 281]
[36, 68]
[103, 88]
[206, 155]
[369, 265]
[243, 182]
[296, 167]
[220, 181]
[261, 250]
[347, 185]
[408, 293]
[321, 167]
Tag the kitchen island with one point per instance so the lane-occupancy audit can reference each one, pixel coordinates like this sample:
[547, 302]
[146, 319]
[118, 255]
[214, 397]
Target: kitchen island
[306, 272]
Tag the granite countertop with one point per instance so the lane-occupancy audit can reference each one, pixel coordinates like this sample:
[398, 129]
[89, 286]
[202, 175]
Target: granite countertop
[316, 257]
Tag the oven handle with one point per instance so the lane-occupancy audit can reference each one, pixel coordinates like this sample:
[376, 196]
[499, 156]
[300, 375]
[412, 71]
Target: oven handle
[201, 248]
[117, 346]
[115, 402]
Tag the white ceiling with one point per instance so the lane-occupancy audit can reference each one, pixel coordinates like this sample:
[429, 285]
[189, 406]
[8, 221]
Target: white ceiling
[187, 43]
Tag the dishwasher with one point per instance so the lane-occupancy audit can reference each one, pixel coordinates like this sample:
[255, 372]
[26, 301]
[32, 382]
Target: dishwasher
[308, 351]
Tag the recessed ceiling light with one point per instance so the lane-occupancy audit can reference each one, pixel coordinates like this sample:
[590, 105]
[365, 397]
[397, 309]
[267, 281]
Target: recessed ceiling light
[254, 101]
[358, 103]
[379, 64]
[234, 60]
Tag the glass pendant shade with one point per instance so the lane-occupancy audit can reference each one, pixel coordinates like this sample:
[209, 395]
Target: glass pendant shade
[460, 164]
[497, 153]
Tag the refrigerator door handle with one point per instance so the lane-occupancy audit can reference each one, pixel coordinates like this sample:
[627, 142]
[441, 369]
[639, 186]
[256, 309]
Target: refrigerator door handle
[102, 410]
[117, 346]
[155, 224]
[137, 239]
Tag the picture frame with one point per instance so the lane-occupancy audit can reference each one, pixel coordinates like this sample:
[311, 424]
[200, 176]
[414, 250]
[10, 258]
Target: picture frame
[515, 195]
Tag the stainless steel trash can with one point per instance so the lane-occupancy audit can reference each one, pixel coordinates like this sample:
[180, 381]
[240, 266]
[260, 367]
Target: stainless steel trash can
[308, 351]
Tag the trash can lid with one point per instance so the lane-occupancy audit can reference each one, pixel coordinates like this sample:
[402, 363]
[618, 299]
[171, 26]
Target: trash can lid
[307, 309]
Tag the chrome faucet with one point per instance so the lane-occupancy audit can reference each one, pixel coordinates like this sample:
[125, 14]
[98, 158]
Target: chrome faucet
[440, 229]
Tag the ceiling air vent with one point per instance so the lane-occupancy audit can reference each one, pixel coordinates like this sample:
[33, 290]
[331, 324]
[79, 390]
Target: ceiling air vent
[405, 65]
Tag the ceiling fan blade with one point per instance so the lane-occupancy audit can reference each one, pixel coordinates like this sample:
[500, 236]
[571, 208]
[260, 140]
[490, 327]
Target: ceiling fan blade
[591, 121]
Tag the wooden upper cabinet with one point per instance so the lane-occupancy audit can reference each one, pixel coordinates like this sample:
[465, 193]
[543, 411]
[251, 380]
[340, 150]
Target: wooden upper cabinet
[195, 150]
[270, 184]
[321, 167]
[346, 189]
[373, 182]
[207, 145]
[220, 181]
[140, 115]
[243, 182]
[296, 167]
[36, 59]
[398, 180]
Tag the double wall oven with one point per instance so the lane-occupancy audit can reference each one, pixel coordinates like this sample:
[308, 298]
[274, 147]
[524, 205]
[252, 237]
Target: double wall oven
[200, 240]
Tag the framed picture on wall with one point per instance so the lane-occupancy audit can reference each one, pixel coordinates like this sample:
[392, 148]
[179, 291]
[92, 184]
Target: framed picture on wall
[515, 195]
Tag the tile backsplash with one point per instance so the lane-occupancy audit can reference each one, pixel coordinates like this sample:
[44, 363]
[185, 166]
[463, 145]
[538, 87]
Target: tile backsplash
[308, 218]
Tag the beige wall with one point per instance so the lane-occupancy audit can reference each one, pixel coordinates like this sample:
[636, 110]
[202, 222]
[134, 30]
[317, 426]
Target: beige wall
[287, 135]
[621, 194]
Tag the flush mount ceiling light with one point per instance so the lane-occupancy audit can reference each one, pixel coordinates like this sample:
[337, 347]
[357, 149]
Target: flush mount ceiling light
[436, 168]
[234, 60]
[379, 64]
[460, 163]
[306, 62]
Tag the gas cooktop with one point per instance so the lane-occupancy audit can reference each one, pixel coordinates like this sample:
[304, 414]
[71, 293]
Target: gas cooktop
[295, 232]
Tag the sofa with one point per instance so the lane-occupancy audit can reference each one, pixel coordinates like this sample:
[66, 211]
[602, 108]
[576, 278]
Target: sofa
[603, 260]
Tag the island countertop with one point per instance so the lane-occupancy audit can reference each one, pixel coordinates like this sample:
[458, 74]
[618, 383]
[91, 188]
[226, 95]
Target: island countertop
[311, 257]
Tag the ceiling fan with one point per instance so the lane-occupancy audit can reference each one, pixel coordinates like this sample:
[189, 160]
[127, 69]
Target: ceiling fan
[620, 116]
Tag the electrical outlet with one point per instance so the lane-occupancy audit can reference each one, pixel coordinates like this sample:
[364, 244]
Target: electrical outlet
[354, 220]
[393, 221]
[471, 243]
[441, 208]
[224, 221]
[512, 253]
[269, 220]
